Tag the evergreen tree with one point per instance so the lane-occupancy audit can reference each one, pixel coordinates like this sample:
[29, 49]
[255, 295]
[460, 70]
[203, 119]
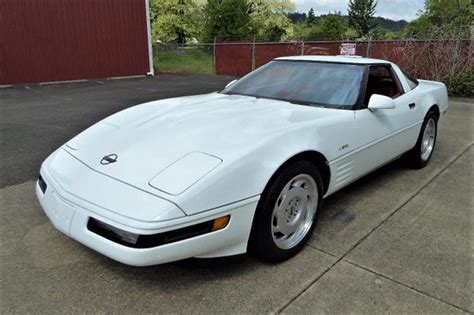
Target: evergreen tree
[361, 16]
[311, 20]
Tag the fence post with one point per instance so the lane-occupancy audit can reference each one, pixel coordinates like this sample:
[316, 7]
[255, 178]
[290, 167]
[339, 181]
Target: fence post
[302, 47]
[369, 48]
[253, 53]
[182, 55]
[214, 65]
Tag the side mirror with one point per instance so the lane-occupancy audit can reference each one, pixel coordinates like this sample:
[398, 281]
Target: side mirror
[378, 101]
[230, 83]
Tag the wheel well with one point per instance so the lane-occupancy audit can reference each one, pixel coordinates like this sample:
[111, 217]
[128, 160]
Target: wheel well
[435, 109]
[314, 157]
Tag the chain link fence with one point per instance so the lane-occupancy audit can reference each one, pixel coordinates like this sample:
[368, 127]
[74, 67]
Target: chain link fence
[428, 59]
[184, 58]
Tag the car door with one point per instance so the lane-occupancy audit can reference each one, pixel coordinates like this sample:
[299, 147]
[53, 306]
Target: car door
[384, 134]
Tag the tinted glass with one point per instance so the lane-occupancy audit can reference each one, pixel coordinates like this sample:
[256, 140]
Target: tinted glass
[308, 83]
[412, 82]
[382, 82]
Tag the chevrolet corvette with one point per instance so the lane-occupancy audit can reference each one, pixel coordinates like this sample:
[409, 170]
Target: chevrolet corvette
[241, 170]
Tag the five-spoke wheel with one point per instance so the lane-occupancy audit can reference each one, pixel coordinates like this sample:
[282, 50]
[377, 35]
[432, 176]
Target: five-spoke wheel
[428, 140]
[423, 150]
[294, 211]
[287, 212]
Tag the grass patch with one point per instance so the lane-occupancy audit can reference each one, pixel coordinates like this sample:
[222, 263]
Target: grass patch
[188, 60]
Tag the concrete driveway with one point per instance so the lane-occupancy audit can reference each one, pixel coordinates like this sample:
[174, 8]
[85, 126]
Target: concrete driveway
[398, 240]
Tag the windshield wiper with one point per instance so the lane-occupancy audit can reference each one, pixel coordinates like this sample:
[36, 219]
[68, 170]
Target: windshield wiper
[242, 94]
[291, 101]
[296, 102]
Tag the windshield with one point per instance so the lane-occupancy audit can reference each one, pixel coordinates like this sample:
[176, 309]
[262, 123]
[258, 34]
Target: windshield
[333, 85]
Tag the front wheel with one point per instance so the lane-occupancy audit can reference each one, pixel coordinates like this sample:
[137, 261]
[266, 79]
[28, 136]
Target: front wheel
[420, 155]
[287, 213]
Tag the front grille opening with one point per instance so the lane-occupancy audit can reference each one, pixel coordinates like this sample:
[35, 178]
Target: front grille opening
[42, 184]
[147, 241]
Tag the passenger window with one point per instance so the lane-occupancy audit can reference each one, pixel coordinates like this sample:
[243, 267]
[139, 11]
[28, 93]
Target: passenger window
[381, 81]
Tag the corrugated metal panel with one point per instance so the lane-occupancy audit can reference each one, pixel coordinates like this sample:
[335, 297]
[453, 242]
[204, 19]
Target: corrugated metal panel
[57, 40]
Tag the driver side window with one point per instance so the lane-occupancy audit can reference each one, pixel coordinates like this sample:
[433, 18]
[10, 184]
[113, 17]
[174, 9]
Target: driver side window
[382, 81]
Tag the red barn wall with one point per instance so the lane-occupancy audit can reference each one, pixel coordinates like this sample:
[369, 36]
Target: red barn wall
[58, 40]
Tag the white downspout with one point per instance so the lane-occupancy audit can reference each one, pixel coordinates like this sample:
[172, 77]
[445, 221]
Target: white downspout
[150, 48]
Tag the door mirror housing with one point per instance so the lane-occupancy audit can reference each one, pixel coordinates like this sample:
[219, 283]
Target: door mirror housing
[378, 101]
[230, 83]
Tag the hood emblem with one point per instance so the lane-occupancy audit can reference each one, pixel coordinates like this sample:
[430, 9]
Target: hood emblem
[109, 159]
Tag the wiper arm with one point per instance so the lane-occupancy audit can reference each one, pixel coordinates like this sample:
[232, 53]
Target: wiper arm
[305, 103]
[241, 94]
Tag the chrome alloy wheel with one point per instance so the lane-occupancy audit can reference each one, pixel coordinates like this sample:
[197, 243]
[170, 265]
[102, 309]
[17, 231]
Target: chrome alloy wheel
[428, 140]
[294, 211]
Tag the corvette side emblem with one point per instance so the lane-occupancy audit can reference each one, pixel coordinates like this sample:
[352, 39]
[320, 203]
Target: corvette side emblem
[109, 159]
[344, 146]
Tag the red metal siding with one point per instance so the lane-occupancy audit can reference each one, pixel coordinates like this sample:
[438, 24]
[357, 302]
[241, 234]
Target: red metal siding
[57, 40]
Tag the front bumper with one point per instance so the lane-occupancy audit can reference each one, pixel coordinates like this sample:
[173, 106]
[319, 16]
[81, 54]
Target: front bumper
[70, 215]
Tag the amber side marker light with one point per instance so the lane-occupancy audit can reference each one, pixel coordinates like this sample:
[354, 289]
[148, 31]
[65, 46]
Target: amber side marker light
[220, 223]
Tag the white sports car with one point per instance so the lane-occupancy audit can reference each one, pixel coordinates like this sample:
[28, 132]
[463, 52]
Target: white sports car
[240, 170]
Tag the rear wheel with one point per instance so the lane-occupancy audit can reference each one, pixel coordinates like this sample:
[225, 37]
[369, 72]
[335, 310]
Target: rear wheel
[420, 155]
[287, 212]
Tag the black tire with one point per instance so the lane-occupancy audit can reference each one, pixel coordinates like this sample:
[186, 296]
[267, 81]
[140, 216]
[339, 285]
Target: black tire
[414, 156]
[261, 243]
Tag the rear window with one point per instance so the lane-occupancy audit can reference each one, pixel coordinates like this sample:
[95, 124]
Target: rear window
[412, 82]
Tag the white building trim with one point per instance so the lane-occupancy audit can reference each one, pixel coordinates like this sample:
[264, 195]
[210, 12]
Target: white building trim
[150, 48]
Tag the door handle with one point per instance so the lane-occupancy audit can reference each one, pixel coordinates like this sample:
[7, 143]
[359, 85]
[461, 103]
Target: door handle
[412, 105]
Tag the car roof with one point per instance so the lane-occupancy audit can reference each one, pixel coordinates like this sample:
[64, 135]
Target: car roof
[338, 59]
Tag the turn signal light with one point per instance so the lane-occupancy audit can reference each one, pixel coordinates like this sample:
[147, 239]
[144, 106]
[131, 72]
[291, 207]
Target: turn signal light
[220, 223]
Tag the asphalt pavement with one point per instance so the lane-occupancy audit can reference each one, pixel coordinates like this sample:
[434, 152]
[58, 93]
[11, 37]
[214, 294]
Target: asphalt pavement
[398, 240]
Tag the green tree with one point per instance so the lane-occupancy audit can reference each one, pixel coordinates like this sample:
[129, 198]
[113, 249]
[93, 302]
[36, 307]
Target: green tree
[350, 33]
[331, 27]
[443, 17]
[227, 20]
[385, 34]
[300, 31]
[419, 27]
[244, 19]
[175, 20]
[311, 19]
[297, 17]
[361, 16]
[269, 19]
[455, 12]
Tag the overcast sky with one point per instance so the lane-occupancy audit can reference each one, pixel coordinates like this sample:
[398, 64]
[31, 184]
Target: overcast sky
[392, 9]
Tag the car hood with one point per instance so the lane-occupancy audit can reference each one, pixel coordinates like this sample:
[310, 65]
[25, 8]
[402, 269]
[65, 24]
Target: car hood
[189, 135]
